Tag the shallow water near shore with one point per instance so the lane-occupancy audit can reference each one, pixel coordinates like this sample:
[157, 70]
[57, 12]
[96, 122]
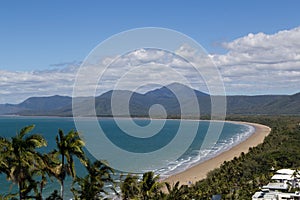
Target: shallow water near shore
[231, 135]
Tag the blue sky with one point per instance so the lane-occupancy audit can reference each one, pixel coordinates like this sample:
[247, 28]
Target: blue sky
[41, 36]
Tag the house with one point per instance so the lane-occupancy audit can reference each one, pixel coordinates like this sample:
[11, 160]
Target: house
[281, 183]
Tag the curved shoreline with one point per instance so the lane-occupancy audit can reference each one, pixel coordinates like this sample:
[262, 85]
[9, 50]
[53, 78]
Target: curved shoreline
[199, 171]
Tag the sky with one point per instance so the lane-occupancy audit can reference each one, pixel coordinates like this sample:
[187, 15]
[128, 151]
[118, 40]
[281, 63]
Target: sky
[255, 44]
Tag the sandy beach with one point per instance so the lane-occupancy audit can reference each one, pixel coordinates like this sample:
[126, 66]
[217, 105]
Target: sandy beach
[200, 171]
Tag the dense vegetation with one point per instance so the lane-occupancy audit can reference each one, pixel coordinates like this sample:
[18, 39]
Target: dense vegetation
[241, 177]
[236, 179]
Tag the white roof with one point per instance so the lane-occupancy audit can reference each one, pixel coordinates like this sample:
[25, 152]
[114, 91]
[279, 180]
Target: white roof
[258, 195]
[282, 177]
[276, 186]
[285, 171]
[285, 195]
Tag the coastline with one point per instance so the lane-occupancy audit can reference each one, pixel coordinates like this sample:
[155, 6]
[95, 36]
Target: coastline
[199, 171]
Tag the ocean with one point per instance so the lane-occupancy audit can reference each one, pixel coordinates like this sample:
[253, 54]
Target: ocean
[195, 153]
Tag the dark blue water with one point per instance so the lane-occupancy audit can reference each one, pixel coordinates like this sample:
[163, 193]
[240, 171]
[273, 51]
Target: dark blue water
[231, 135]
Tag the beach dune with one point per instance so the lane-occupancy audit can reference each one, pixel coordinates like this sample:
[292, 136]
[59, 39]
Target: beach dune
[200, 171]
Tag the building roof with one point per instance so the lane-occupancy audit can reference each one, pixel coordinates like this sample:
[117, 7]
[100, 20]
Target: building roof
[273, 195]
[282, 177]
[285, 171]
[258, 195]
[276, 186]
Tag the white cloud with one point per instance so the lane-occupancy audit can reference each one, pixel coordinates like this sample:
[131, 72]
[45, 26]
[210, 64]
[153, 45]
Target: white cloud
[260, 48]
[17, 86]
[254, 64]
[135, 70]
[267, 63]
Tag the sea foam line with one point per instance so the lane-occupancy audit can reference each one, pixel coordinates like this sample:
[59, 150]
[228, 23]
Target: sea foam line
[205, 154]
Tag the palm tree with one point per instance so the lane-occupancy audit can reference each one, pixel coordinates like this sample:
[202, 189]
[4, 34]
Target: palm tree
[176, 191]
[19, 155]
[47, 166]
[92, 185]
[68, 145]
[149, 185]
[130, 187]
[3, 163]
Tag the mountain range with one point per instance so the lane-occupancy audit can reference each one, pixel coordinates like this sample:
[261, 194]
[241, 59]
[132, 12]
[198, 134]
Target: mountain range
[139, 104]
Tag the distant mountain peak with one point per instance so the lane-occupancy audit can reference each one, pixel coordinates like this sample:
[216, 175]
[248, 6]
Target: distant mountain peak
[46, 103]
[164, 95]
[177, 85]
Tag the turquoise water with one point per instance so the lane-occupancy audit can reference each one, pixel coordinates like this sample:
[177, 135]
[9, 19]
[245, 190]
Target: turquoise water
[231, 135]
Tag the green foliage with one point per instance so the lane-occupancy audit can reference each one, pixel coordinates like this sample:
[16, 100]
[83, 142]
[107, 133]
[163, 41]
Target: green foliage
[68, 146]
[25, 166]
[91, 186]
[130, 187]
[235, 179]
[146, 189]
[177, 192]
[242, 176]
[19, 158]
[149, 185]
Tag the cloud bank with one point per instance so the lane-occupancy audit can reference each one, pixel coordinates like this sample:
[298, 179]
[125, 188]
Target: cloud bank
[261, 63]
[253, 64]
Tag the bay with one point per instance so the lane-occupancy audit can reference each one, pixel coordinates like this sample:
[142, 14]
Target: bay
[231, 135]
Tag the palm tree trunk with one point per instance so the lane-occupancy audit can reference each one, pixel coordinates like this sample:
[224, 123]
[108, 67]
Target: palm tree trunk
[62, 188]
[20, 179]
[62, 176]
[20, 191]
[41, 192]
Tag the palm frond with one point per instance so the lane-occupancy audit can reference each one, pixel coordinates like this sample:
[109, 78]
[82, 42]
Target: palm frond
[26, 130]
